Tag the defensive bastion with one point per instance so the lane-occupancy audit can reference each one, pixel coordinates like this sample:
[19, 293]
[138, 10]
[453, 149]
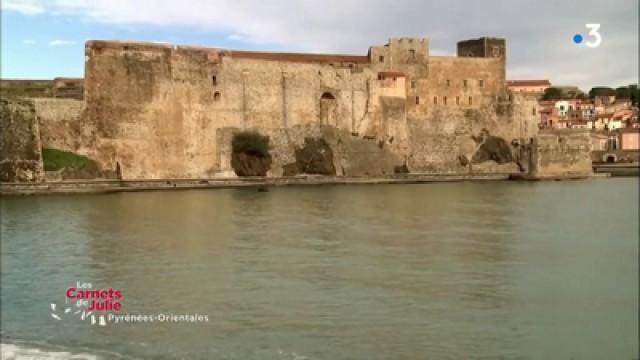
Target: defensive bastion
[157, 111]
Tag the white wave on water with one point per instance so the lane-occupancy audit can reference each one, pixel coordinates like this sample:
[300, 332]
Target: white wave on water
[32, 352]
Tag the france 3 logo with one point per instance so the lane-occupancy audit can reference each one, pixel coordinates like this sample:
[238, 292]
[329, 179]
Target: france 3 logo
[596, 38]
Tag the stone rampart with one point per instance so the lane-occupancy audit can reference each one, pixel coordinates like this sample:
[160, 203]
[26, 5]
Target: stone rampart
[20, 148]
[562, 153]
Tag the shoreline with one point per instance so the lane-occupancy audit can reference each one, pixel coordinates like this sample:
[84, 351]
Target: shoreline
[617, 169]
[117, 186]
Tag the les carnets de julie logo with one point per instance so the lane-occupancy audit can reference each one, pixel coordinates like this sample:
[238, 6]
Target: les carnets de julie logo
[102, 306]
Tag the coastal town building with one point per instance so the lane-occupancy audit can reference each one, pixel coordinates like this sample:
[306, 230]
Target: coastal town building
[601, 141]
[528, 86]
[604, 113]
[620, 145]
[629, 139]
[574, 110]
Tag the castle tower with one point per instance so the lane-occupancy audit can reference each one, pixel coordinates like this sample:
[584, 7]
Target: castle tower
[486, 47]
[483, 47]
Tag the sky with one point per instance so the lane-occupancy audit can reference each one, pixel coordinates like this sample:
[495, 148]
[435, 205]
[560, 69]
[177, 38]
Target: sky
[45, 38]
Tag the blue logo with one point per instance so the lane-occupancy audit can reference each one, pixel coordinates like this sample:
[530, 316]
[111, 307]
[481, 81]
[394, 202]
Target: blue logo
[577, 38]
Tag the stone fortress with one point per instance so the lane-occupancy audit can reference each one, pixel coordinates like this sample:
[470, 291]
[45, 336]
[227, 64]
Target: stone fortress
[158, 111]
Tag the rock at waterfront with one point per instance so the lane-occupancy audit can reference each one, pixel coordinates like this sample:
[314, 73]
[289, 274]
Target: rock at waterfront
[250, 165]
[493, 148]
[314, 157]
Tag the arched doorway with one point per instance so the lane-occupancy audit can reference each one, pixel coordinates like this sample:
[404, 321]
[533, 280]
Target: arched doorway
[611, 158]
[328, 109]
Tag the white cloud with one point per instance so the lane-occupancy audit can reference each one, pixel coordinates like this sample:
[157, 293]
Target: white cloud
[28, 42]
[27, 7]
[538, 33]
[61, 42]
[236, 37]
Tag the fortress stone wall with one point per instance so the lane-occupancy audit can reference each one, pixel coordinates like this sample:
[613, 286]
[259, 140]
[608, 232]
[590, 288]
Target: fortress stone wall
[157, 111]
[69, 88]
[562, 153]
[60, 123]
[163, 111]
[20, 146]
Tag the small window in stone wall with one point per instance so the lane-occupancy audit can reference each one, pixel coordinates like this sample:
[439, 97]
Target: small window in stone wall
[448, 83]
[417, 100]
[412, 54]
[457, 100]
[381, 58]
[216, 96]
[435, 100]
[444, 100]
[470, 100]
[214, 80]
[464, 83]
[481, 83]
[413, 84]
[533, 112]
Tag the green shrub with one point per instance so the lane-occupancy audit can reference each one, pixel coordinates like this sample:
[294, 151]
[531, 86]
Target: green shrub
[55, 159]
[250, 142]
[601, 91]
[552, 93]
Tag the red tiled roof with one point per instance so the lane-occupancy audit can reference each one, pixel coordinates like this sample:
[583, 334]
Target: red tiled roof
[622, 115]
[528, 83]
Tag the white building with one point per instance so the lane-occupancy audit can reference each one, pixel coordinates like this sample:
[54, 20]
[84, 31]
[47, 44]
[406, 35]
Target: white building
[562, 107]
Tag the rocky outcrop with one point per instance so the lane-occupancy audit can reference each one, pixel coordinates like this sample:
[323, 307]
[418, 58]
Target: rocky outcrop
[250, 165]
[493, 148]
[352, 155]
[314, 157]
[356, 156]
